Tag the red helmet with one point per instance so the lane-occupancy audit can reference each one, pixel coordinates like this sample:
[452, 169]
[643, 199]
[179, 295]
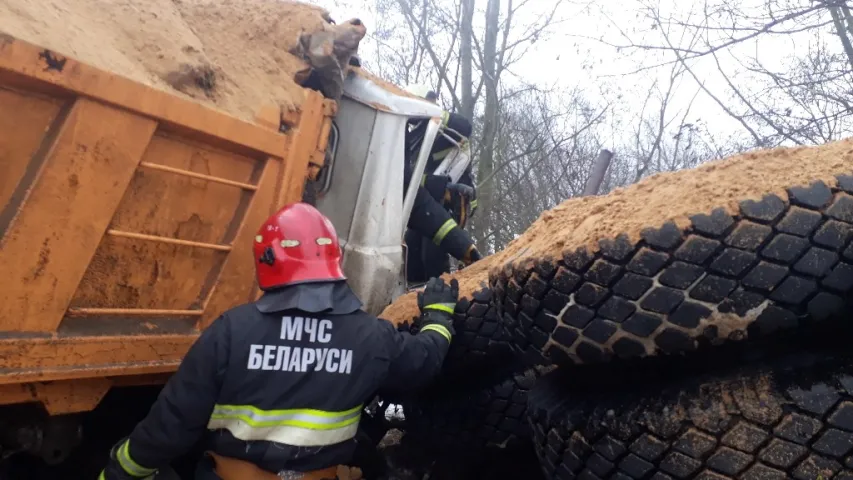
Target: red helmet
[297, 245]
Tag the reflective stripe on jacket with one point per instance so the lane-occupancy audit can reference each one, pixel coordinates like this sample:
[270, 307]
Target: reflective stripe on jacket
[299, 427]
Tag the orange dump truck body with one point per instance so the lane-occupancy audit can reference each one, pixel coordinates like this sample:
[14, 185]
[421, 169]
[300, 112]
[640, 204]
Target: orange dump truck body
[126, 221]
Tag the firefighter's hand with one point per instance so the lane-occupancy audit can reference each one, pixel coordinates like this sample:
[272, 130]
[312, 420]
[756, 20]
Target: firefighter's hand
[437, 303]
[471, 256]
[461, 199]
[461, 189]
[114, 470]
[439, 296]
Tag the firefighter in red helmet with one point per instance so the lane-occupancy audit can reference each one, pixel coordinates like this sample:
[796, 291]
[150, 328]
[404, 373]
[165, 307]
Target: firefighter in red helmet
[276, 387]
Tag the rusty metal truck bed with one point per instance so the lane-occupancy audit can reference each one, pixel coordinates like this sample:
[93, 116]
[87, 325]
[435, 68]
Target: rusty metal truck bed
[126, 221]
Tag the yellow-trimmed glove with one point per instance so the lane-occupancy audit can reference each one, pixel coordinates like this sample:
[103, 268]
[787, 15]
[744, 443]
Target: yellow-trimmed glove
[437, 303]
[122, 467]
[460, 200]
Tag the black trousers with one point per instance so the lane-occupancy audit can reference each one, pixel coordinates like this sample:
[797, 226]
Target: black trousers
[424, 259]
[434, 224]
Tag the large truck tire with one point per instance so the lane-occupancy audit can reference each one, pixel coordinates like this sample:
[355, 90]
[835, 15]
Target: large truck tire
[471, 416]
[480, 344]
[778, 263]
[787, 418]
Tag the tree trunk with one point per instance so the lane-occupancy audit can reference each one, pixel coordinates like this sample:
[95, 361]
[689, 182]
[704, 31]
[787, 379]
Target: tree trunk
[596, 173]
[838, 20]
[490, 119]
[466, 58]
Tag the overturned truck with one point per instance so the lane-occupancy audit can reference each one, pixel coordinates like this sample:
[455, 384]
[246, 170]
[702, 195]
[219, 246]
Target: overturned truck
[129, 199]
[691, 326]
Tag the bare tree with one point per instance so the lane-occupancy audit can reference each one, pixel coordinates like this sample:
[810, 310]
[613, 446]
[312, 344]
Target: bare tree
[438, 42]
[802, 98]
[535, 145]
[466, 58]
[546, 145]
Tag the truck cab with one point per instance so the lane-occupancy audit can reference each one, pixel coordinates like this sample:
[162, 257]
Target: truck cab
[361, 187]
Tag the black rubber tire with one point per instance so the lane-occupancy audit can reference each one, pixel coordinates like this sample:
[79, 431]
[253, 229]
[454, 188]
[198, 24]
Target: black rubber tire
[786, 418]
[485, 413]
[778, 264]
[480, 344]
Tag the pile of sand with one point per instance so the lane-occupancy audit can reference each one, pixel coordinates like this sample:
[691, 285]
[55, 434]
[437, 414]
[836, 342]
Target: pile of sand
[582, 222]
[228, 54]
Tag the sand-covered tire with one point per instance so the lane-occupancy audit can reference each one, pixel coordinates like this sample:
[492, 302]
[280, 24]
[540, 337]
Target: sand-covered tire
[480, 343]
[474, 415]
[790, 418]
[776, 264]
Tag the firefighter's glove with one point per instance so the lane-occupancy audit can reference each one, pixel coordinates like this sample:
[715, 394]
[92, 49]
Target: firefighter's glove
[461, 189]
[461, 200]
[437, 303]
[439, 296]
[122, 467]
[472, 255]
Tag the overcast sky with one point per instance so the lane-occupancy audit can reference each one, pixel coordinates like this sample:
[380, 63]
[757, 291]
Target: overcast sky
[556, 61]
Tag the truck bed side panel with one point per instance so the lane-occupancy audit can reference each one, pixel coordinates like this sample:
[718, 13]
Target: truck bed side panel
[127, 216]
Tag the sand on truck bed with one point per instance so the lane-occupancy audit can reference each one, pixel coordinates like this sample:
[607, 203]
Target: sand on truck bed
[228, 54]
[673, 196]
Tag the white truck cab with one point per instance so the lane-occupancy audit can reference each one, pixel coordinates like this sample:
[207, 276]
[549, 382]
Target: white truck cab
[361, 186]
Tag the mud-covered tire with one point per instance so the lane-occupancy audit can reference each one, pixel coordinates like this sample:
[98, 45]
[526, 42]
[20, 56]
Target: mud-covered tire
[777, 264]
[480, 343]
[789, 418]
[460, 417]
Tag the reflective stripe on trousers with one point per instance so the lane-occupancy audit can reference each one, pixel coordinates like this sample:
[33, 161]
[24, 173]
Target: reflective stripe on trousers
[301, 427]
